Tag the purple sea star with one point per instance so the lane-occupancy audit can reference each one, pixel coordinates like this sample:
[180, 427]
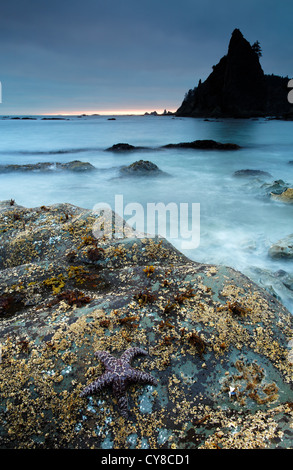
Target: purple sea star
[119, 374]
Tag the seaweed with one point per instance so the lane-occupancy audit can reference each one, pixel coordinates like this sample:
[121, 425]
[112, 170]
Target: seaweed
[128, 321]
[144, 297]
[169, 307]
[71, 256]
[237, 309]
[87, 240]
[180, 298]
[149, 270]
[199, 344]
[57, 283]
[165, 324]
[95, 253]
[75, 297]
[24, 345]
[104, 323]
[10, 304]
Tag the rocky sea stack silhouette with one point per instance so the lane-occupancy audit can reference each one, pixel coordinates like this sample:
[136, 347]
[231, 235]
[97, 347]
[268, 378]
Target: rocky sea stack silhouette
[238, 87]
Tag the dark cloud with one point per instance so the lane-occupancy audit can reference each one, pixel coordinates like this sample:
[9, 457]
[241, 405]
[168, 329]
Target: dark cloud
[69, 55]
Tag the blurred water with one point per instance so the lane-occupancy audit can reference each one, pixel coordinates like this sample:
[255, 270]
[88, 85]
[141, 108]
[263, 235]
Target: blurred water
[239, 221]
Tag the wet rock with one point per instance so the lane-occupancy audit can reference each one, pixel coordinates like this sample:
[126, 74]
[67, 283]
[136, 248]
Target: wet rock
[123, 147]
[54, 119]
[282, 248]
[286, 196]
[42, 166]
[217, 343]
[286, 278]
[277, 187]
[204, 145]
[75, 165]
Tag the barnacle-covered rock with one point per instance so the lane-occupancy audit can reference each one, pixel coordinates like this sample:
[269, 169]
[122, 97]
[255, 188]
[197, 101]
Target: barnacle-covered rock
[219, 346]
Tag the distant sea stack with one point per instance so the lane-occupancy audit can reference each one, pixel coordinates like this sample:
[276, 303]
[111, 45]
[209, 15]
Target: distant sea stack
[238, 87]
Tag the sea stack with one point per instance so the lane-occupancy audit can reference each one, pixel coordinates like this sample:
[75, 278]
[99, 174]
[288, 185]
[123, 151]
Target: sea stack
[237, 87]
[244, 87]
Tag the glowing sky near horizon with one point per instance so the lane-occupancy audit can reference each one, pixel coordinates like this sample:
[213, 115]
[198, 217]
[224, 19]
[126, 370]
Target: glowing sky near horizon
[130, 57]
[107, 112]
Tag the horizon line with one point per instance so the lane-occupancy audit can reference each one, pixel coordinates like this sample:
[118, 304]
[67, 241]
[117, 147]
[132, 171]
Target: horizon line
[120, 112]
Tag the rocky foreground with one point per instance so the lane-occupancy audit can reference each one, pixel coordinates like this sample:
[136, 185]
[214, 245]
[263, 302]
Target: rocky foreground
[219, 347]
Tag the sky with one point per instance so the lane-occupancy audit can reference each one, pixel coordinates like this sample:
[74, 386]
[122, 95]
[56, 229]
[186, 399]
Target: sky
[127, 56]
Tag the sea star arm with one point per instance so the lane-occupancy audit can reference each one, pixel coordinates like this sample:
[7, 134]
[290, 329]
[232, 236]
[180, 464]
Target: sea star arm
[130, 353]
[141, 377]
[119, 390]
[103, 381]
[106, 359]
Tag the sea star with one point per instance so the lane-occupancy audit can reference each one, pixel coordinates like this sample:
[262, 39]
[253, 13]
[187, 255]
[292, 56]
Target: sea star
[119, 374]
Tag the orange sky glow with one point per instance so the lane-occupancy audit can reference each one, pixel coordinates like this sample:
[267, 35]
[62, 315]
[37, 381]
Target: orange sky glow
[111, 112]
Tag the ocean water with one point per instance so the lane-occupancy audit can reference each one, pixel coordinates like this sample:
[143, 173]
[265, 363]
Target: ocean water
[238, 220]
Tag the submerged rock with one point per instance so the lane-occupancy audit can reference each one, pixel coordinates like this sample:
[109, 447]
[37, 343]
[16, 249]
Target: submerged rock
[123, 147]
[282, 248]
[252, 173]
[276, 187]
[204, 144]
[75, 165]
[54, 119]
[286, 196]
[141, 168]
[219, 346]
